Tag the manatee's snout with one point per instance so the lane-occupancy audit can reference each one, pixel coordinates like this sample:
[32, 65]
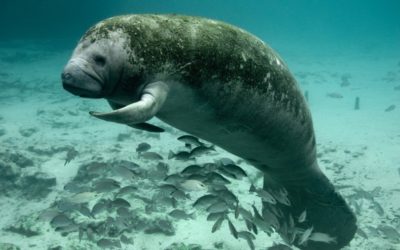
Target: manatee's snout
[81, 80]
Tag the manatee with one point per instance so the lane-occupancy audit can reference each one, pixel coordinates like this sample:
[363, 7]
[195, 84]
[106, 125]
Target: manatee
[221, 84]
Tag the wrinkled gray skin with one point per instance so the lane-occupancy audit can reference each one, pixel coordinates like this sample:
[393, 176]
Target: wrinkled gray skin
[222, 84]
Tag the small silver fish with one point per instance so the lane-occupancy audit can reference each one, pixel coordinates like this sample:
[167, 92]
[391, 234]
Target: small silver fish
[302, 217]
[305, 236]
[83, 197]
[322, 237]
[282, 196]
[193, 185]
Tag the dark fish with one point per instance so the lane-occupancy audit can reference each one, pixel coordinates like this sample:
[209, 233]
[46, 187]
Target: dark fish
[205, 201]
[390, 108]
[126, 190]
[192, 169]
[124, 212]
[108, 243]
[179, 195]
[245, 214]
[106, 185]
[259, 221]
[99, 207]
[266, 196]
[215, 216]
[216, 178]
[123, 172]
[71, 154]
[279, 247]
[173, 178]
[246, 235]
[249, 237]
[217, 224]
[201, 150]
[232, 229]
[217, 207]
[61, 220]
[85, 211]
[190, 139]
[271, 219]
[126, 240]
[181, 156]
[227, 196]
[167, 188]
[67, 229]
[143, 147]
[180, 214]
[151, 156]
[234, 170]
[119, 202]
[74, 187]
[334, 95]
[237, 210]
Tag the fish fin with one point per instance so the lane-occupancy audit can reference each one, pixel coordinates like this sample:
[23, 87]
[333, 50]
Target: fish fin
[171, 155]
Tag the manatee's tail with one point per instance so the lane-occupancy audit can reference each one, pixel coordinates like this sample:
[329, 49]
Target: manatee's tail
[317, 216]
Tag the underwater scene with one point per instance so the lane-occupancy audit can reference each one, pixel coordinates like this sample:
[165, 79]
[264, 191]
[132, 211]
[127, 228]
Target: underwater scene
[200, 124]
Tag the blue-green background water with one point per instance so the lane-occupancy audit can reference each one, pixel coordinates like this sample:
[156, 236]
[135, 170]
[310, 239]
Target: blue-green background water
[338, 50]
[309, 24]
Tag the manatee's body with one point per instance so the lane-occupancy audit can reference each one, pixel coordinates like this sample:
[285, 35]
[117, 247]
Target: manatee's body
[223, 85]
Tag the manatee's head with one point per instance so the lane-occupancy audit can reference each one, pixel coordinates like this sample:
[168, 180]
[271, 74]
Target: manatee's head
[97, 64]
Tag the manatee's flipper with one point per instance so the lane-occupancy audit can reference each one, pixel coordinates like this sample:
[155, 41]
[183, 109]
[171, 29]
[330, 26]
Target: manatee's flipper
[147, 127]
[326, 212]
[142, 126]
[151, 100]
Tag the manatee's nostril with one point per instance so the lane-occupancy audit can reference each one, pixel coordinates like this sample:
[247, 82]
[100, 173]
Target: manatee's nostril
[66, 76]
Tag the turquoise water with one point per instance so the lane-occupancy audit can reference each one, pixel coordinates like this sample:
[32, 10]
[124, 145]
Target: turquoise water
[56, 161]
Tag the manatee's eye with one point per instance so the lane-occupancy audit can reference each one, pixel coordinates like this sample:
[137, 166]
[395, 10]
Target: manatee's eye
[99, 60]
